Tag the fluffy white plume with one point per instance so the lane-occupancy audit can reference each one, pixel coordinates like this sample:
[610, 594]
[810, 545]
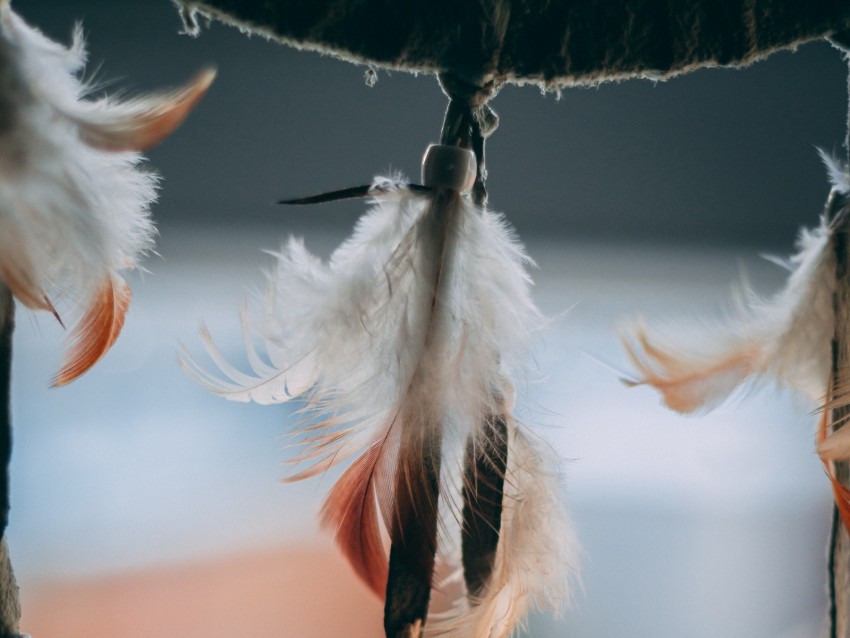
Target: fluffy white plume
[74, 203]
[787, 337]
[537, 553]
[404, 343]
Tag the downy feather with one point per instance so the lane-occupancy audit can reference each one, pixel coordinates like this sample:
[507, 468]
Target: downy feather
[786, 337]
[73, 215]
[537, 554]
[411, 334]
[789, 337]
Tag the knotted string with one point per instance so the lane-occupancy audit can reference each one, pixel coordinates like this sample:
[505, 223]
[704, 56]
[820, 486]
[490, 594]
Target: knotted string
[468, 122]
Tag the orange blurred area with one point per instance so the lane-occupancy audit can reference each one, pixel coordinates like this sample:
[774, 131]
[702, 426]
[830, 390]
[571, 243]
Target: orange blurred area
[303, 591]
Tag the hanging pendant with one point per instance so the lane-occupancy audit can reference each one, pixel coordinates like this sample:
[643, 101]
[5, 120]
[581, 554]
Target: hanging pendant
[798, 338]
[404, 346]
[74, 202]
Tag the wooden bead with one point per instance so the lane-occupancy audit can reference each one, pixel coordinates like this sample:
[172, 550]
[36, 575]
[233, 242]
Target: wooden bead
[449, 167]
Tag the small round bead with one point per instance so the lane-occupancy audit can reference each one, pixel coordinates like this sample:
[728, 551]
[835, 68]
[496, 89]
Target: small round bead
[449, 167]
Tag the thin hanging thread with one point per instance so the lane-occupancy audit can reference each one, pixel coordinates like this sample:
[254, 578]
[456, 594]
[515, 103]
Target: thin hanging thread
[468, 122]
[841, 41]
[847, 130]
[835, 206]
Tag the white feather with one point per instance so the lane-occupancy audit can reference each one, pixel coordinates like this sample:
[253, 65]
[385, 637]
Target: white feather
[74, 214]
[74, 201]
[786, 337]
[353, 315]
[837, 171]
[537, 556]
[416, 324]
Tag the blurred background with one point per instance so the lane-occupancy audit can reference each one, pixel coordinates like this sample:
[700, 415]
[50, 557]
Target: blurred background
[144, 506]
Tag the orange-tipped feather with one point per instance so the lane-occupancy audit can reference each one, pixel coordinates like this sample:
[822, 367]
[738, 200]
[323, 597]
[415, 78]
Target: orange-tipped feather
[351, 510]
[96, 331]
[410, 334]
[835, 446]
[841, 494]
[76, 203]
[138, 125]
[689, 383]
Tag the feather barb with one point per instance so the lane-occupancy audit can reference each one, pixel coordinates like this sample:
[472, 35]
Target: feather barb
[95, 333]
[351, 509]
[137, 125]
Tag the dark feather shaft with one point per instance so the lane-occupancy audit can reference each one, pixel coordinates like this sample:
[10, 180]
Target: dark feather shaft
[353, 192]
[333, 196]
[483, 485]
[413, 529]
[414, 544]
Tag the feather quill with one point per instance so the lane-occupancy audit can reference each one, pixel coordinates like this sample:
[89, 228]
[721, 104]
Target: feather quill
[404, 343]
[74, 203]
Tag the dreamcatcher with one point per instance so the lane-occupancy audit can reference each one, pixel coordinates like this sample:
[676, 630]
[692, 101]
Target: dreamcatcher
[417, 401]
[356, 343]
[406, 345]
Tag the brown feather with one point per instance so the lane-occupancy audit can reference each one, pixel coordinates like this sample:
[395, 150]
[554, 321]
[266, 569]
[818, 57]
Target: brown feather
[351, 510]
[413, 531]
[485, 465]
[95, 333]
[155, 118]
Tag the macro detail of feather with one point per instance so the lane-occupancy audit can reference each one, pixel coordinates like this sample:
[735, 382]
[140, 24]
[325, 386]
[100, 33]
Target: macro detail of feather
[403, 346]
[790, 337]
[787, 337]
[483, 492]
[74, 201]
